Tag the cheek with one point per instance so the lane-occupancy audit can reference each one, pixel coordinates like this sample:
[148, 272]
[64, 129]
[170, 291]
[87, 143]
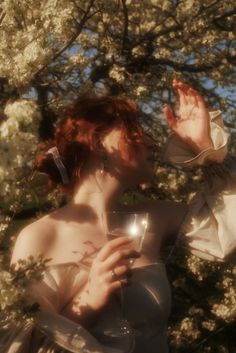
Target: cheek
[127, 153]
[136, 162]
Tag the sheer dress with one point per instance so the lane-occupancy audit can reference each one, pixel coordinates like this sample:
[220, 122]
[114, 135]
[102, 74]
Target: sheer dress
[209, 230]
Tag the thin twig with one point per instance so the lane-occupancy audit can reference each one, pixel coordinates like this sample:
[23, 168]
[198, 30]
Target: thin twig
[126, 24]
[212, 334]
[2, 15]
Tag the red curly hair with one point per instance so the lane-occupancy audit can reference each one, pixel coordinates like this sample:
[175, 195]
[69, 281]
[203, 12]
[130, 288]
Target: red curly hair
[79, 134]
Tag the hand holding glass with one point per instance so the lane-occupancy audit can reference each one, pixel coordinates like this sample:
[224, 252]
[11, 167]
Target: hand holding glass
[134, 225]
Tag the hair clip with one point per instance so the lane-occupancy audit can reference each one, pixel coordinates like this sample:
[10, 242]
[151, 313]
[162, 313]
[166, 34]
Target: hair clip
[58, 161]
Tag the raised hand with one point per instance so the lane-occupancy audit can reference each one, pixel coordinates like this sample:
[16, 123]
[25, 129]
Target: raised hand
[193, 123]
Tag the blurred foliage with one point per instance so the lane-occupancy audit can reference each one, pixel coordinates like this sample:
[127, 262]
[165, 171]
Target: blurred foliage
[15, 299]
[204, 304]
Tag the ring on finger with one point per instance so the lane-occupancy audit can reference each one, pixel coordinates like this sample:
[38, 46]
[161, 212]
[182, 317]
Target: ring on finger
[113, 274]
[123, 282]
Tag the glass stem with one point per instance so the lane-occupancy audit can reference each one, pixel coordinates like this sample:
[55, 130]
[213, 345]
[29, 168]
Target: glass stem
[122, 302]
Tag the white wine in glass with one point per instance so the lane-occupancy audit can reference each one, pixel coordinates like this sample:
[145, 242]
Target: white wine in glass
[129, 224]
[134, 225]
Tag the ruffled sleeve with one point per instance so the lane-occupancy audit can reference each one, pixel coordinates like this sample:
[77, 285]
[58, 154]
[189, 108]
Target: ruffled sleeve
[209, 228]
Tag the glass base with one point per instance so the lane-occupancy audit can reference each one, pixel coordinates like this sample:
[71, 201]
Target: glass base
[122, 329]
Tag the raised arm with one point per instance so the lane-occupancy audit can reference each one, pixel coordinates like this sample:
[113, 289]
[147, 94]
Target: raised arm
[192, 125]
[209, 227]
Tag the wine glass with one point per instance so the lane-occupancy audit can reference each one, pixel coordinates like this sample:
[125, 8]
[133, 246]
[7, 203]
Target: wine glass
[134, 225]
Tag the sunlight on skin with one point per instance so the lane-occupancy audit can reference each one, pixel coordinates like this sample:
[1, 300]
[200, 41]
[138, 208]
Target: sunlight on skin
[193, 123]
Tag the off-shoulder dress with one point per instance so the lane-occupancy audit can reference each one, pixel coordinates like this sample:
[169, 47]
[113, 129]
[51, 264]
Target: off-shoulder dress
[209, 230]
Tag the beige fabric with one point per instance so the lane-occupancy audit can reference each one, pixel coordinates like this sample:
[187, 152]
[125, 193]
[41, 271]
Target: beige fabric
[178, 152]
[210, 227]
[51, 332]
[210, 230]
[147, 305]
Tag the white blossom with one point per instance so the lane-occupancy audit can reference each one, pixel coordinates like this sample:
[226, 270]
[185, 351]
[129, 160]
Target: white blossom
[117, 73]
[18, 141]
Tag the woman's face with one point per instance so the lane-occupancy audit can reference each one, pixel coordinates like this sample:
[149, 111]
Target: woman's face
[132, 162]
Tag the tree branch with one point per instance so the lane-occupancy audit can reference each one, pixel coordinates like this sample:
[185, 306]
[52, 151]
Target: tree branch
[126, 23]
[227, 14]
[221, 26]
[141, 63]
[231, 59]
[212, 334]
[2, 15]
[74, 37]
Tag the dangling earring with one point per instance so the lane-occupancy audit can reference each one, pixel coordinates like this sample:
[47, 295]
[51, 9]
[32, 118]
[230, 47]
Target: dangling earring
[103, 164]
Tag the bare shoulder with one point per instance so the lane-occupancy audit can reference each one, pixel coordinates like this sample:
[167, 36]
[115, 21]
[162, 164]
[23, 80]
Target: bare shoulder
[34, 239]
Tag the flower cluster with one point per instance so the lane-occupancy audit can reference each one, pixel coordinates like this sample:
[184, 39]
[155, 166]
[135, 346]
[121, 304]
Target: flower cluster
[18, 141]
[15, 297]
[59, 48]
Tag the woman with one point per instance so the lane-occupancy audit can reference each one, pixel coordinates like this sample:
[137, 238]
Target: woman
[103, 150]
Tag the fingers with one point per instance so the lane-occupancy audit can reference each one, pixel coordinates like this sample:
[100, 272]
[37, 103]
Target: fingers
[177, 84]
[111, 246]
[118, 284]
[191, 94]
[188, 95]
[182, 96]
[121, 270]
[114, 259]
[123, 279]
[118, 273]
[117, 278]
[200, 101]
[170, 118]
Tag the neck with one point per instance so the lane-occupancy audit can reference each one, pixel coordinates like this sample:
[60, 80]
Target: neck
[98, 192]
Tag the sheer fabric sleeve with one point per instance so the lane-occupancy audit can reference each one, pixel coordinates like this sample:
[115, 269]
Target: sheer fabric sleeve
[49, 331]
[209, 228]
